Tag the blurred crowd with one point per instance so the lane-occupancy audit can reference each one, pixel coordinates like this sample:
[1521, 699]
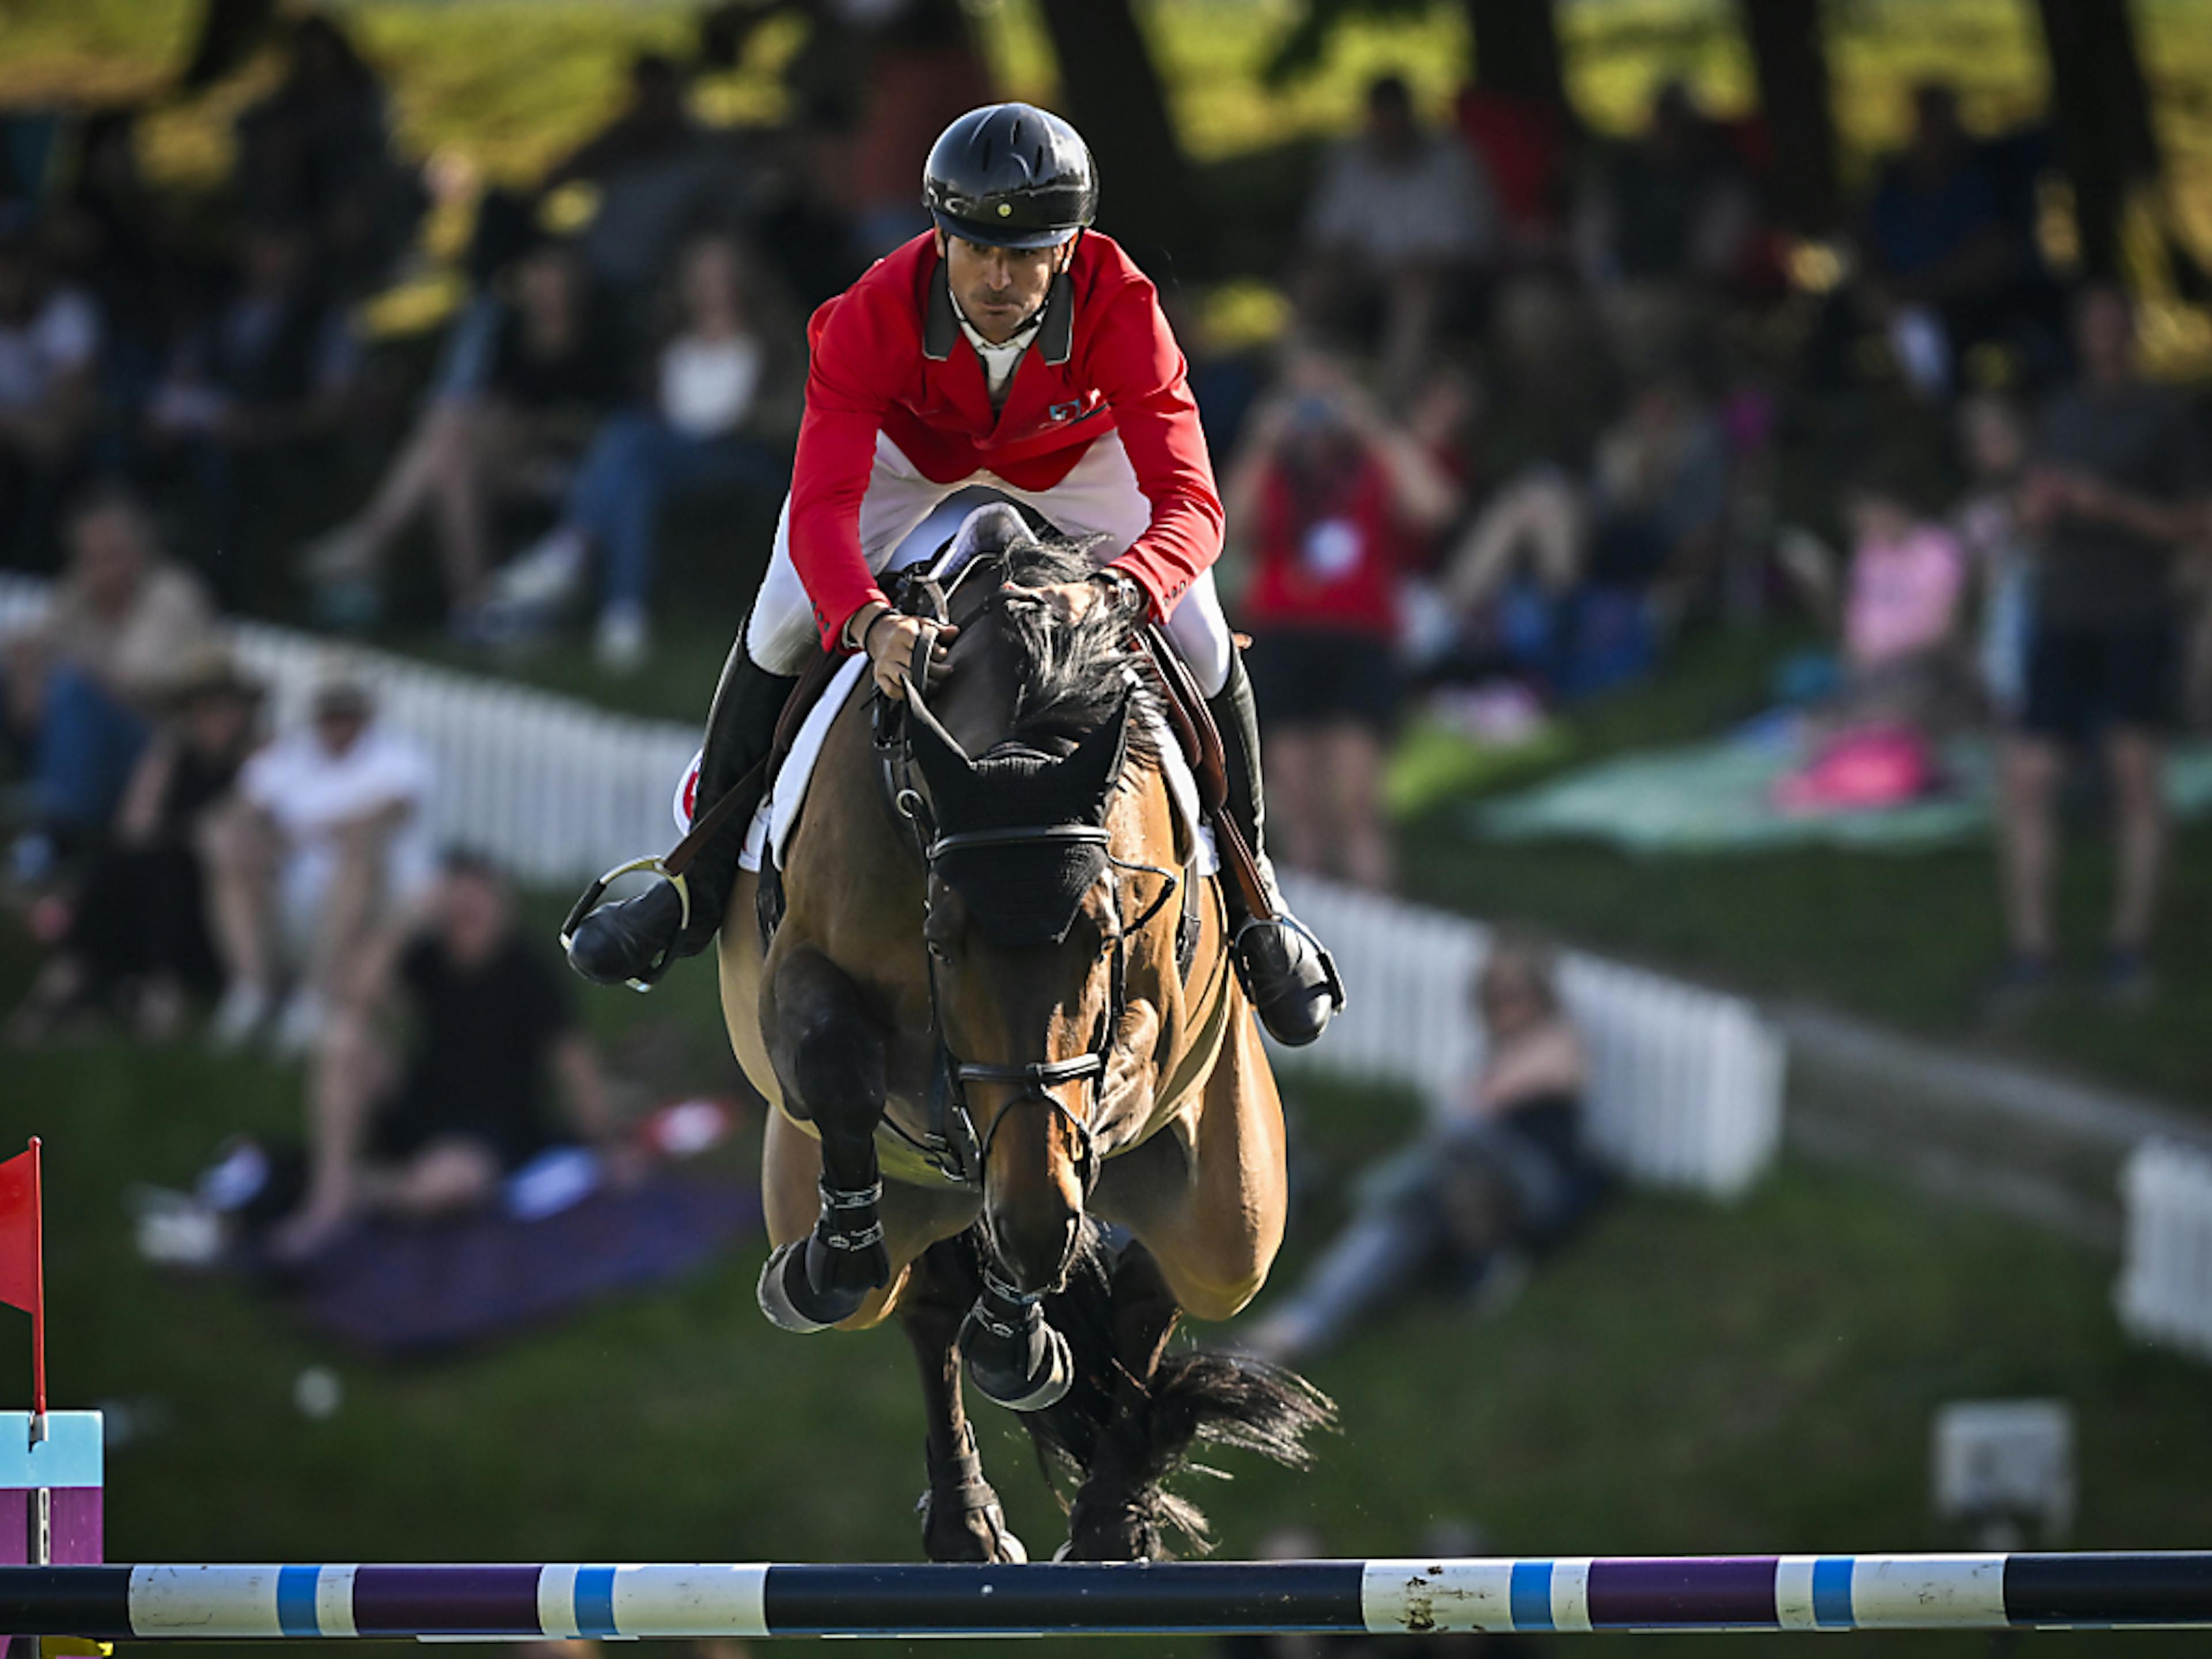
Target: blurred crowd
[1539, 404]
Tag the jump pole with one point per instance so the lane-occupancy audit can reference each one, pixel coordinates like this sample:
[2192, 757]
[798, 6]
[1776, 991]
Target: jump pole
[1651, 1593]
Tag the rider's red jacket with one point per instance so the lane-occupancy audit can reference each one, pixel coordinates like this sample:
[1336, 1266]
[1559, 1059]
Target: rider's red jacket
[889, 356]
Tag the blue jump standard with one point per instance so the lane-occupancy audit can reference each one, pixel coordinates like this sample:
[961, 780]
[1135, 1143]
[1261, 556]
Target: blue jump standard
[1790, 1592]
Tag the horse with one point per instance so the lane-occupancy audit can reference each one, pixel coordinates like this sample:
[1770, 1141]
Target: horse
[1018, 1100]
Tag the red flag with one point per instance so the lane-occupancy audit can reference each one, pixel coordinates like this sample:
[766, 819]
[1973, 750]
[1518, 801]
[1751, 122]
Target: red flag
[23, 1269]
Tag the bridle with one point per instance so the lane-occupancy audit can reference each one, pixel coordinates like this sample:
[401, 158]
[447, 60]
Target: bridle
[951, 1142]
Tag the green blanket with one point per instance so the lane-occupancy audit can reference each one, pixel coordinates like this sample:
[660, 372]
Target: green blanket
[1716, 797]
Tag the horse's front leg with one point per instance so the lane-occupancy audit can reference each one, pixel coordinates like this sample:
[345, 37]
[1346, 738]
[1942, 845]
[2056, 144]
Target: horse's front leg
[828, 1056]
[961, 1520]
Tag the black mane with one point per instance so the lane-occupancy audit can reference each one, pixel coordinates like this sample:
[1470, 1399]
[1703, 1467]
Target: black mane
[1068, 678]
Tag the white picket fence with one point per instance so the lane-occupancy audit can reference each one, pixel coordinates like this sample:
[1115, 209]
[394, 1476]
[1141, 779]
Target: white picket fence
[553, 788]
[2165, 1292]
[1688, 1085]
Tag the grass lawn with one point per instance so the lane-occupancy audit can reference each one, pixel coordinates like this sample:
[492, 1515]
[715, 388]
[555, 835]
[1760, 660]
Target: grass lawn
[1687, 1378]
[1909, 939]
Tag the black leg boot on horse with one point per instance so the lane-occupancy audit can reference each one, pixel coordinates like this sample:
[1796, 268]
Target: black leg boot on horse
[635, 940]
[1288, 974]
[831, 1066]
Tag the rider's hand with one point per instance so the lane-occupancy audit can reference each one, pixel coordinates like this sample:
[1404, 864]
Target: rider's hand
[890, 637]
[1071, 602]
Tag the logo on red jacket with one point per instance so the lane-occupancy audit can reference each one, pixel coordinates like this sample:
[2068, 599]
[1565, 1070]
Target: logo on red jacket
[687, 794]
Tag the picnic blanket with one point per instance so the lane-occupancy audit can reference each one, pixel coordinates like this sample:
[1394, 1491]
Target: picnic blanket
[404, 1290]
[1718, 796]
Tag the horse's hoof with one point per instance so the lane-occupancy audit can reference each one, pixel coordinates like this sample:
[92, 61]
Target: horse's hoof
[977, 1534]
[789, 1299]
[1037, 1375]
[1110, 1530]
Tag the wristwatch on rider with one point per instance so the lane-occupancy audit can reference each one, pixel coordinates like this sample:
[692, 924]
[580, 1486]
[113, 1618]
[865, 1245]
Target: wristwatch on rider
[1125, 593]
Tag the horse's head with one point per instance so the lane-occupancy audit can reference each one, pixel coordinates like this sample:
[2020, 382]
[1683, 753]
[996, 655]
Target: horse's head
[1042, 880]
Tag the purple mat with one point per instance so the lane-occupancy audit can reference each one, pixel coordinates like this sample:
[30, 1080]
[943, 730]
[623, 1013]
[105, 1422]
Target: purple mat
[393, 1290]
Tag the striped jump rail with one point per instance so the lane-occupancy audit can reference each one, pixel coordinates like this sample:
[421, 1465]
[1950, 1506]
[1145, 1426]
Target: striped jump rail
[1649, 1593]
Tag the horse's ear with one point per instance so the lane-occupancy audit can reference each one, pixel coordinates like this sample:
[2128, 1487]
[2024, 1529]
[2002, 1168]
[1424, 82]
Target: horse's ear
[936, 750]
[1095, 766]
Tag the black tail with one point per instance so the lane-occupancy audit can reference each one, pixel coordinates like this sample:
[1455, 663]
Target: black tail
[1135, 1434]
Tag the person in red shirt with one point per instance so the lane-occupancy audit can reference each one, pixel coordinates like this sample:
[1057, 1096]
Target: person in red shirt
[1015, 348]
[1332, 502]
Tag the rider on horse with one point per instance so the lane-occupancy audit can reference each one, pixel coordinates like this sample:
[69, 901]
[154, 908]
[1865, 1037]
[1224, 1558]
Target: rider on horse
[1015, 348]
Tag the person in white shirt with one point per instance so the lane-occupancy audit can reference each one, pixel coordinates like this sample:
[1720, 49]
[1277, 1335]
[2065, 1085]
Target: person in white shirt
[328, 834]
[712, 387]
[1401, 218]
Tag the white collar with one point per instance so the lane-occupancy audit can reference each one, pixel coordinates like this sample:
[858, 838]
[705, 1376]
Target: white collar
[1012, 346]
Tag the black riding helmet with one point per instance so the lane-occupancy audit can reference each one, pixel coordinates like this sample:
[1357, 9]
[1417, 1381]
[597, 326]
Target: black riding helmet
[1010, 175]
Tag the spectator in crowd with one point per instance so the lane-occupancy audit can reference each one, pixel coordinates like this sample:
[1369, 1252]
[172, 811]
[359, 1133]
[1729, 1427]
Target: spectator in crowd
[710, 423]
[272, 369]
[1994, 439]
[327, 835]
[50, 341]
[1664, 224]
[1950, 268]
[1505, 1174]
[2117, 487]
[1904, 588]
[1649, 514]
[1403, 227]
[137, 937]
[111, 236]
[1329, 497]
[435, 1128]
[317, 152]
[1904, 681]
[658, 175]
[923, 73]
[83, 684]
[515, 406]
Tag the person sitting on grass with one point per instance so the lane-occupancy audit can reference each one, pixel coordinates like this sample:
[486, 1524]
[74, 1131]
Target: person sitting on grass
[432, 1126]
[83, 684]
[327, 830]
[136, 934]
[1505, 1174]
[1898, 615]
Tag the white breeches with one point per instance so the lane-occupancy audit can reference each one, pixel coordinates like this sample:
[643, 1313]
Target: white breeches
[1098, 497]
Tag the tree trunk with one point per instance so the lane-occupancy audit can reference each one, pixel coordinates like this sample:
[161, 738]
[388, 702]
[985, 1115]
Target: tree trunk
[1148, 201]
[230, 31]
[1516, 50]
[2102, 108]
[1790, 53]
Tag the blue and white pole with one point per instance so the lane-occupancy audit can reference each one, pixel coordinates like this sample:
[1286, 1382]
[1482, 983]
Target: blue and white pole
[1791, 1592]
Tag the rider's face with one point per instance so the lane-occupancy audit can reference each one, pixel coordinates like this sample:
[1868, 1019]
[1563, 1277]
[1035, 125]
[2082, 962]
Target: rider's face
[998, 287]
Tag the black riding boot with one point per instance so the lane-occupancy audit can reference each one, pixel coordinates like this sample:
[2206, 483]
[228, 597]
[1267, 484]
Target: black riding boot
[638, 938]
[1287, 972]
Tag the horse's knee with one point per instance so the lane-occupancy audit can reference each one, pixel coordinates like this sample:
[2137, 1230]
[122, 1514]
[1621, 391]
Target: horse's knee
[832, 1059]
